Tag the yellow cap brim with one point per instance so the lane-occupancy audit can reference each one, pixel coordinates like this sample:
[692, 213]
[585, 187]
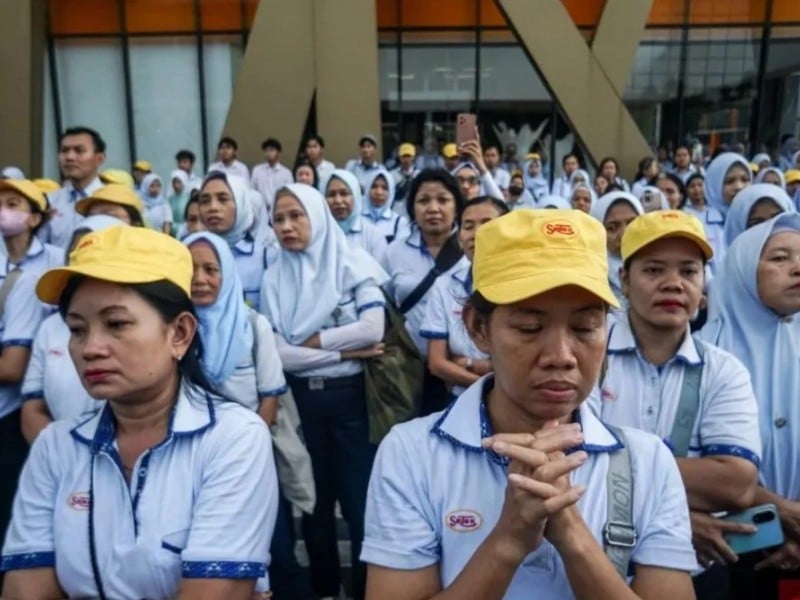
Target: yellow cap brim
[515, 290]
[704, 246]
[52, 284]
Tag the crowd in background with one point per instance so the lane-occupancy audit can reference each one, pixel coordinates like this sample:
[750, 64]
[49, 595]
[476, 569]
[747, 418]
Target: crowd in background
[295, 277]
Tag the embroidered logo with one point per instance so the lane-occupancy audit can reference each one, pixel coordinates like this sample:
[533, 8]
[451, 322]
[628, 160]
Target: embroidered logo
[55, 352]
[463, 520]
[560, 229]
[607, 394]
[78, 501]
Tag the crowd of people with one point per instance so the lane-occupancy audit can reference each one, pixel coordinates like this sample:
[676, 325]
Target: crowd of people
[584, 389]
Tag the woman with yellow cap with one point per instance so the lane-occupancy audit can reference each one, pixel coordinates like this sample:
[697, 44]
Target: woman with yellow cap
[23, 211]
[517, 490]
[166, 491]
[114, 200]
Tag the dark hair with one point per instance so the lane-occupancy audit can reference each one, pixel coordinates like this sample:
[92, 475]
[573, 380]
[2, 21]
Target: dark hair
[644, 164]
[434, 175]
[194, 198]
[674, 179]
[271, 143]
[501, 206]
[305, 162]
[227, 141]
[571, 155]
[315, 138]
[185, 155]
[614, 187]
[137, 220]
[97, 141]
[694, 176]
[608, 159]
[679, 146]
[36, 210]
[491, 145]
[482, 307]
[170, 301]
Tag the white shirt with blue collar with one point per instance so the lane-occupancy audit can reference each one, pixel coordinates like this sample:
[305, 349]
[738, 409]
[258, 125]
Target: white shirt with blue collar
[361, 171]
[252, 258]
[443, 316]
[58, 230]
[714, 225]
[201, 504]
[40, 257]
[390, 225]
[408, 262]
[364, 234]
[18, 326]
[638, 394]
[435, 495]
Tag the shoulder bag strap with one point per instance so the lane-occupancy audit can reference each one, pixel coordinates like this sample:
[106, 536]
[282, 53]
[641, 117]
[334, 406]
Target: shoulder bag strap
[688, 407]
[619, 533]
[5, 289]
[448, 256]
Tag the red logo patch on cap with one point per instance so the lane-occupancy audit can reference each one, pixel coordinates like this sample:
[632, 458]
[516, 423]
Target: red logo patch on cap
[85, 243]
[669, 215]
[560, 229]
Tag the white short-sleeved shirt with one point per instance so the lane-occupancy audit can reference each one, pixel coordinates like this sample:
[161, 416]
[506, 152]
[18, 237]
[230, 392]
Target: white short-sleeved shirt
[638, 394]
[443, 316]
[502, 178]
[58, 230]
[366, 235]
[51, 374]
[252, 381]
[237, 168]
[252, 258]
[435, 495]
[201, 504]
[39, 258]
[408, 262]
[366, 296]
[158, 215]
[391, 226]
[18, 327]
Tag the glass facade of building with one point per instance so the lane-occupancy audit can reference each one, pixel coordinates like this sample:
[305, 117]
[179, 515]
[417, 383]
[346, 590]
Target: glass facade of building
[157, 75]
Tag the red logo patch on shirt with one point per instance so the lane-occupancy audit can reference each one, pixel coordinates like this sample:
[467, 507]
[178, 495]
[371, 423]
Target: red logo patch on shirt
[79, 501]
[463, 520]
[55, 351]
[607, 394]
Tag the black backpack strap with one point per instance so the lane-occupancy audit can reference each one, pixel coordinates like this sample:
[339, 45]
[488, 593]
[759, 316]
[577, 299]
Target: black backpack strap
[448, 256]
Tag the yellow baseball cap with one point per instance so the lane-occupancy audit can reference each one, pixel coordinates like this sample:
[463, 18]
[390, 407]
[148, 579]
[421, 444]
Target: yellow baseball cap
[407, 150]
[653, 226]
[450, 151]
[114, 193]
[529, 252]
[143, 165]
[47, 185]
[122, 255]
[533, 156]
[792, 176]
[117, 176]
[28, 189]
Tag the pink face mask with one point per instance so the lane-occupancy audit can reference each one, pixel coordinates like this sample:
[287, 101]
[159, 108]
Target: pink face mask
[13, 222]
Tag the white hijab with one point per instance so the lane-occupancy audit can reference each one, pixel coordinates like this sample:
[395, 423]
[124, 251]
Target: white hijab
[302, 289]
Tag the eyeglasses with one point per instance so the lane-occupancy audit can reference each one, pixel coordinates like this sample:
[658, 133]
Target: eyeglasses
[470, 181]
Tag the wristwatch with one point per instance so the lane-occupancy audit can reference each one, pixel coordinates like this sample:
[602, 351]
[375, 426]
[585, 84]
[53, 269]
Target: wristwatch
[468, 365]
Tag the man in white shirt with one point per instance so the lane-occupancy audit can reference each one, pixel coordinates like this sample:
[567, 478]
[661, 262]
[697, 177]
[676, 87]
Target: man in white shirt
[491, 156]
[562, 186]
[270, 176]
[81, 153]
[315, 151]
[185, 160]
[368, 146]
[227, 163]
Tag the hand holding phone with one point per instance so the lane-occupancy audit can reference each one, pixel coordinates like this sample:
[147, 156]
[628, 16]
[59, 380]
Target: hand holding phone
[466, 128]
[768, 529]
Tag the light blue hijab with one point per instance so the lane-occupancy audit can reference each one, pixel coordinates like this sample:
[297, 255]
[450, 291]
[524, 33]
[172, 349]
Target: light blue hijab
[351, 181]
[243, 201]
[744, 202]
[781, 179]
[715, 177]
[599, 211]
[377, 212]
[225, 328]
[302, 289]
[152, 201]
[768, 345]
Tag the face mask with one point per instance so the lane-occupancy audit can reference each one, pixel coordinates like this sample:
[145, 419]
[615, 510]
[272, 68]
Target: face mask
[515, 190]
[13, 222]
